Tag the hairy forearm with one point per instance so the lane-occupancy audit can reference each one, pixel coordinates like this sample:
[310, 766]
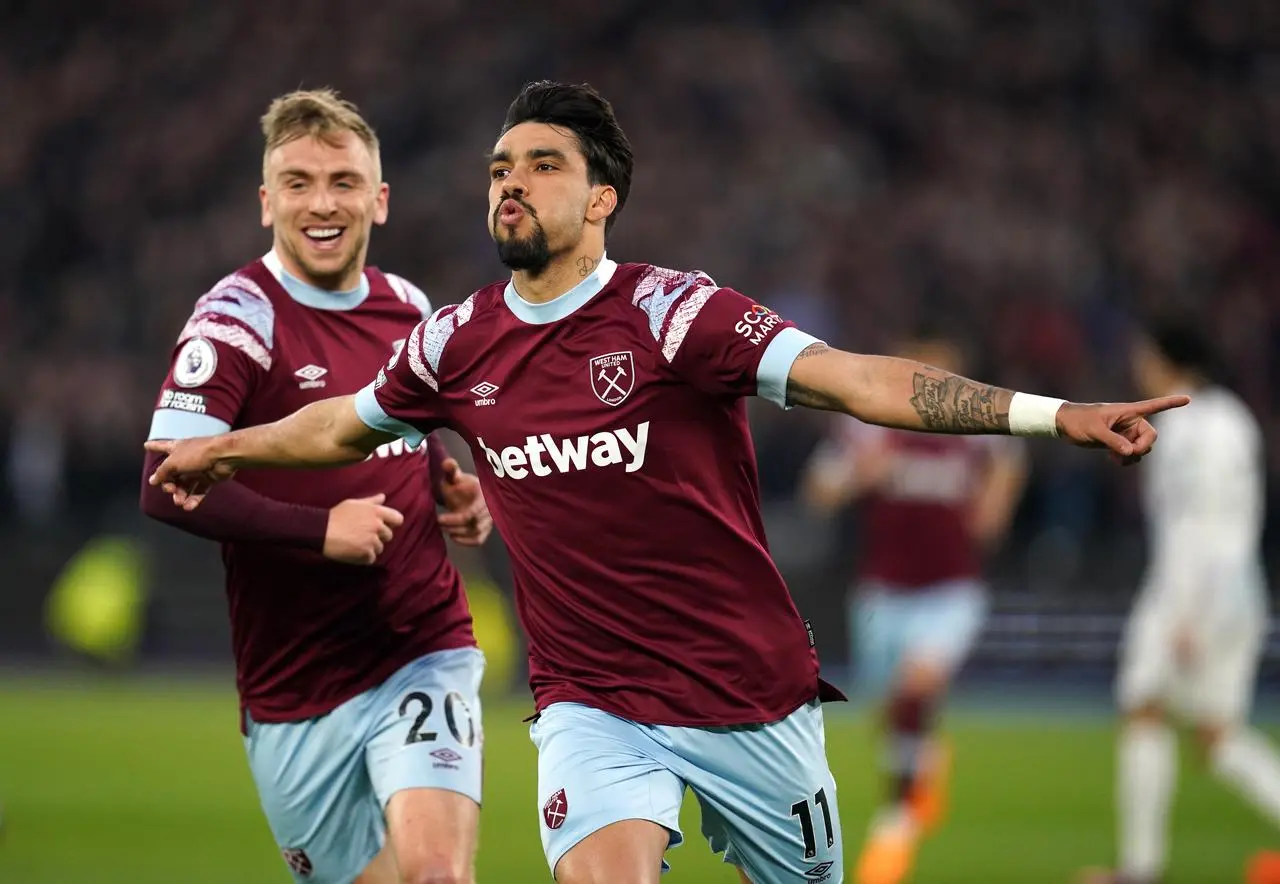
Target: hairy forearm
[897, 393]
[323, 434]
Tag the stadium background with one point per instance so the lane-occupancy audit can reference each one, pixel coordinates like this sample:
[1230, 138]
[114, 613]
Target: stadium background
[1038, 177]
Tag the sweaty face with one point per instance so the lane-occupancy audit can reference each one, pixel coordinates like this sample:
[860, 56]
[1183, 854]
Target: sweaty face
[322, 199]
[538, 195]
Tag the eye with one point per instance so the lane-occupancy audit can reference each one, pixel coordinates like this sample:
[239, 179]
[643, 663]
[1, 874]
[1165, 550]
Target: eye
[297, 186]
[344, 185]
[499, 174]
[545, 167]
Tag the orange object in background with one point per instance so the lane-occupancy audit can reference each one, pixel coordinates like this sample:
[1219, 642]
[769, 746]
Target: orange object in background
[1264, 868]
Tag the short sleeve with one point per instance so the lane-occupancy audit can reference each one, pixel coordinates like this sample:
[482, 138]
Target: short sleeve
[221, 356]
[722, 342]
[404, 400]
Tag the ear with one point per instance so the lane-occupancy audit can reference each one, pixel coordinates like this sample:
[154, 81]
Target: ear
[604, 200]
[267, 218]
[382, 204]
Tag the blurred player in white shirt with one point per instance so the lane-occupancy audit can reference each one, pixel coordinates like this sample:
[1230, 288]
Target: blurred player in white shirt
[1194, 638]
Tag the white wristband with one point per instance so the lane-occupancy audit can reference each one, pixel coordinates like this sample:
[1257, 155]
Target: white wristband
[1034, 415]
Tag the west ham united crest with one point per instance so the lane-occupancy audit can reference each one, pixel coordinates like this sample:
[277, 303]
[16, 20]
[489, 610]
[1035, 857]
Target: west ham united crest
[613, 377]
[298, 861]
[555, 810]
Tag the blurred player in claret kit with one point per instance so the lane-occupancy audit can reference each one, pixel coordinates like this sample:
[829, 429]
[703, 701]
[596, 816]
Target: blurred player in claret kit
[1196, 633]
[931, 507]
[607, 400]
[357, 670]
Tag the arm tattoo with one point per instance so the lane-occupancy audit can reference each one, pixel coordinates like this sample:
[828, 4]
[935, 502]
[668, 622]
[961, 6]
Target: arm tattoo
[797, 394]
[586, 265]
[947, 403]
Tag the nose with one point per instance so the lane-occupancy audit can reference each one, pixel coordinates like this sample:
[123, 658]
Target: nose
[513, 187]
[322, 202]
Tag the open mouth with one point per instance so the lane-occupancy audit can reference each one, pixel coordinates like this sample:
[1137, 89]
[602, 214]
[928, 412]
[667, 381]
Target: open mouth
[325, 238]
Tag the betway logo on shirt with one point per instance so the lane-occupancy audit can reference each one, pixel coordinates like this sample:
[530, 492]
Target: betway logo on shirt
[543, 455]
[397, 448]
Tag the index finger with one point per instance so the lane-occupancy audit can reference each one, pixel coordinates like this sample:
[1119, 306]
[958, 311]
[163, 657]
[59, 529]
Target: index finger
[160, 446]
[163, 473]
[1159, 404]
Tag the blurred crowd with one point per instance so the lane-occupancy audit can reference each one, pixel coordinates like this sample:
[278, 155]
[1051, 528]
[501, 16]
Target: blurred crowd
[1035, 176]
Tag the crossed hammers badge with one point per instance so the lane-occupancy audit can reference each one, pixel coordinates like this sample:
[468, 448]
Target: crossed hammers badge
[613, 377]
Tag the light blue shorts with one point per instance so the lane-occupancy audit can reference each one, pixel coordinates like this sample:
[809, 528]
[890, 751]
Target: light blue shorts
[937, 625]
[767, 795]
[324, 782]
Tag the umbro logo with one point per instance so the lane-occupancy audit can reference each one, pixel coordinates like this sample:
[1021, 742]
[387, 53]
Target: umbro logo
[820, 872]
[310, 377]
[446, 758]
[485, 391]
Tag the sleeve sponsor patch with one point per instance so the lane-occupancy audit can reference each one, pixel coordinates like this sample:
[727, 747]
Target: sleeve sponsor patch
[182, 401]
[195, 364]
[756, 323]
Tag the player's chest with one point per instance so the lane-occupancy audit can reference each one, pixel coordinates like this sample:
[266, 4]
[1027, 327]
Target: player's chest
[561, 386]
[930, 471]
[332, 355]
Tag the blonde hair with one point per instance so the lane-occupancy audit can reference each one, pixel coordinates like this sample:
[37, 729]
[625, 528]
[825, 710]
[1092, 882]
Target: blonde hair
[319, 113]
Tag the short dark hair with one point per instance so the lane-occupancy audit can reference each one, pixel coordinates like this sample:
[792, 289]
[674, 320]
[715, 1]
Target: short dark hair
[1183, 343]
[585, 112]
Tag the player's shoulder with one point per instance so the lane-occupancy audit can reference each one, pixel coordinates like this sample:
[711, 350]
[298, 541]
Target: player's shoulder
[1223, 410]
[668, 300]
[239, 313]
[433, 335]
[402, 289]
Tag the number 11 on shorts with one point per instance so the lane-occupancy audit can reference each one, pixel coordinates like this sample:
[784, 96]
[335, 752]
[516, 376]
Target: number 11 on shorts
[803, 810]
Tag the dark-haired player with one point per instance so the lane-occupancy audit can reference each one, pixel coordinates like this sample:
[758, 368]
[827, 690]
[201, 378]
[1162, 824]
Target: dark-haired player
[607, 399]
[1196, 633]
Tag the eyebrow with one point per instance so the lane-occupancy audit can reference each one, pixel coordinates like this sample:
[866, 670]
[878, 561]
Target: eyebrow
[296, 172]
[537, 153]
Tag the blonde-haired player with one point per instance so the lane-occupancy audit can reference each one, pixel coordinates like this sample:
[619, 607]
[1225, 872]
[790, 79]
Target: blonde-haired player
[355, 661]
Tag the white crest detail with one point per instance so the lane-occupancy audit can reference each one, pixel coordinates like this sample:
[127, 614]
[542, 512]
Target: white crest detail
[484, 389]
[311, 372]
[613, 376]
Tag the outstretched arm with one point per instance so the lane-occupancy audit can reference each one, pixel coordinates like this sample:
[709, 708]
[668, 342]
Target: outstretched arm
[909, 395]
[323, 434]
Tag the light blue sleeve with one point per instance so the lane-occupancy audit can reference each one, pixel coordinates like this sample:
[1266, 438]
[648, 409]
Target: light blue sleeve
[375, 418]
[775, 364]
[170, 423]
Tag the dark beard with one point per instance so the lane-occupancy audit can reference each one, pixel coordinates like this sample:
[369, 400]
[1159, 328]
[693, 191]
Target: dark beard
[531, 254]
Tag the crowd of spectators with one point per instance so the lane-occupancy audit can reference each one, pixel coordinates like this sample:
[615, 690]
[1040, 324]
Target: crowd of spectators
[1036, 177]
